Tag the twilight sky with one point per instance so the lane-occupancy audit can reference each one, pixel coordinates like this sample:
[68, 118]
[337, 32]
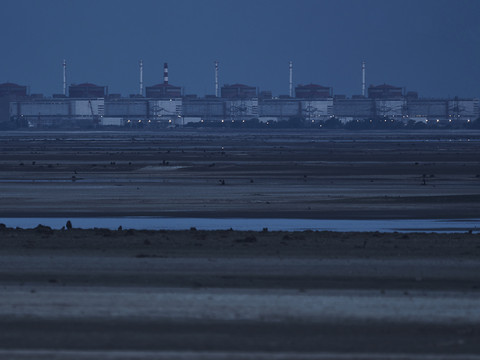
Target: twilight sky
[429, 46]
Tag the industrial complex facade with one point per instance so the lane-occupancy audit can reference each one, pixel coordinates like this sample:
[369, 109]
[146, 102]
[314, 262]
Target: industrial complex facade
[164, 105]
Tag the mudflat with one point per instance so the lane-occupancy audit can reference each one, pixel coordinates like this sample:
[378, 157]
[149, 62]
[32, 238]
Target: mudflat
[220, 173]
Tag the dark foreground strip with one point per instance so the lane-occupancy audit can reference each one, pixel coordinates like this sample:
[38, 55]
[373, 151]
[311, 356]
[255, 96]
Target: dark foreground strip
[253, 281]
[238, 336]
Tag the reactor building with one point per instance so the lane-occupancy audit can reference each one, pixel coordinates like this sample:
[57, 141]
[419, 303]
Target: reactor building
[164, 105]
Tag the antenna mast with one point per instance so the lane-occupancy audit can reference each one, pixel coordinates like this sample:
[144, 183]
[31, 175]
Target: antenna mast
[363, 79]
[216, 78]
[291, 79]
[64, 77]
[141, 77]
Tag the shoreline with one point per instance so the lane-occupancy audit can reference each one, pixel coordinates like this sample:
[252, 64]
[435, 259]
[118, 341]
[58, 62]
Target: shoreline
[238, 243]
[367, 215]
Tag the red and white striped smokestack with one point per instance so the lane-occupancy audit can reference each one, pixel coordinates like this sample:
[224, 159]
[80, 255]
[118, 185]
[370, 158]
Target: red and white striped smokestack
[165, 73]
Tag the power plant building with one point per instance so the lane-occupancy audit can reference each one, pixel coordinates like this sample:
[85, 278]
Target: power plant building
[163, 91]
[312, 91]
[317, 110]
[88, 104]
[69, 111]
[281, 109]
[86, 91]
[209, 109]
[241, 109]
[165, 109]
[384, 91]
[126, 107]
[353, 109]
[238, 91]
[9, 92]
[390, 108]
[12, 90]
[58, 112]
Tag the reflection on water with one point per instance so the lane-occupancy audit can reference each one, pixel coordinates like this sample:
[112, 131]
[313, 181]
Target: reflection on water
[168, 223]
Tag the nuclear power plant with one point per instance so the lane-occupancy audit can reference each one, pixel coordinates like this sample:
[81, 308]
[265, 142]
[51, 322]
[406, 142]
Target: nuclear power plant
[164, 105]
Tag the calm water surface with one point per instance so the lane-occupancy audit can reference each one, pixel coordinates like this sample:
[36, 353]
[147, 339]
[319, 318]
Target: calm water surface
[167, 223]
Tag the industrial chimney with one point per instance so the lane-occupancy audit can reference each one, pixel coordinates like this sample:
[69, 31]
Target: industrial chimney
[363, 79]
[141, 77]
[165, 73]
[64, 77]
[216, 78]
[291, 79]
